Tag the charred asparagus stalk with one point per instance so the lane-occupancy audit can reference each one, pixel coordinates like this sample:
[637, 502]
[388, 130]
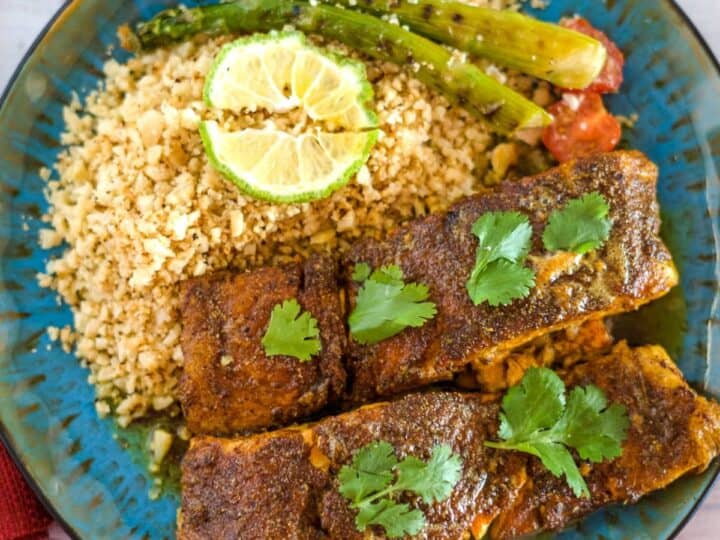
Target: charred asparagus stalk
[562, 56]
[460, 81]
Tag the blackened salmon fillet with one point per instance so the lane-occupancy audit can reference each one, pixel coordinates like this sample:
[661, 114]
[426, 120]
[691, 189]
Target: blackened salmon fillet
[283, 484]
[673, 431]
[228, 383]
[633, 268]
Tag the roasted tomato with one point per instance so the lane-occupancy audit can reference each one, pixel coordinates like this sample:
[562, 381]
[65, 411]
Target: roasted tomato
[611, 77]
[582, 127]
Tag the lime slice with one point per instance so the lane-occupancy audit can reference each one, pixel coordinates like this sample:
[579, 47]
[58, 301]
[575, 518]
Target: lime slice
[276, 166]
[281, 71]
[278, 72]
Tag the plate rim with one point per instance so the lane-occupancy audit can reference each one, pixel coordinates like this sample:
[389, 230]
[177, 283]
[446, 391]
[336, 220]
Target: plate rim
[715, 62]
[6, 437]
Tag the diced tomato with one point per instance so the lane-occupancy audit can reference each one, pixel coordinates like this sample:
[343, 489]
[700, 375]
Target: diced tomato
[611, 77]
[582, 127]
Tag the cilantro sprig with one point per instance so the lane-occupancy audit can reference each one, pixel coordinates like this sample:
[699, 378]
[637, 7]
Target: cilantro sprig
[375, 477]
[291, 333]
[538, 419]
[386, 305]
[581, 226]
[499, 275]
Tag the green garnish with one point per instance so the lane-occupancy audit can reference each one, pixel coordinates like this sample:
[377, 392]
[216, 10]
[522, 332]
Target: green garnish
[375, 477]
[290, 333]
[499, 276]
[386, 305]
[537, 419]
[581, 226]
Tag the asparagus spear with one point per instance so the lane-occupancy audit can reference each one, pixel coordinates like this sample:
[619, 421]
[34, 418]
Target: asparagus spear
[562, 56]
[461, 82]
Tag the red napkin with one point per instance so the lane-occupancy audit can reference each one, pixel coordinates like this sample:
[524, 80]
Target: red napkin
[22, 517]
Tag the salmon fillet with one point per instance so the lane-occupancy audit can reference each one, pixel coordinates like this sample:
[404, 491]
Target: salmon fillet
[225, 315]
[673, 432]
[633, 268]
[283, 484]
[228, 383]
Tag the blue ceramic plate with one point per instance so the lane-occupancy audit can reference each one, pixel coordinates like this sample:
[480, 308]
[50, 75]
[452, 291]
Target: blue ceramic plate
[78, 462]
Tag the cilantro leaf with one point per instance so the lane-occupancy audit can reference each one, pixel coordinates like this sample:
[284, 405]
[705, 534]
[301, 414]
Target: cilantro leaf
[500, 283]
[361, 272]
[499, 276]
[581, 226]
[370, 471]
[559, 461]
[537, 419]
[291, 333]
[433, 480]
[370, 483]
[389, 275]
[591, 427]
[537, 403]
[397, 519]
[385, 305]
[502, 235]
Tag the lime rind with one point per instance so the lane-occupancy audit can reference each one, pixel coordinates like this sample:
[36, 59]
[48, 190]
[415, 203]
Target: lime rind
[299, 196]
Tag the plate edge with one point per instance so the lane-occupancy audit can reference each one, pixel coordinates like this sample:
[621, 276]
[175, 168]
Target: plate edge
[5, 436]
[715, 61]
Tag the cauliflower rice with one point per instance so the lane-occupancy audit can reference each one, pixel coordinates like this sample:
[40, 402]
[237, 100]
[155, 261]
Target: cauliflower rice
[141, 209]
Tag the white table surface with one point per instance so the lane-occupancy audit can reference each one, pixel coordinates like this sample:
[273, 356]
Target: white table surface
[21, 20]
